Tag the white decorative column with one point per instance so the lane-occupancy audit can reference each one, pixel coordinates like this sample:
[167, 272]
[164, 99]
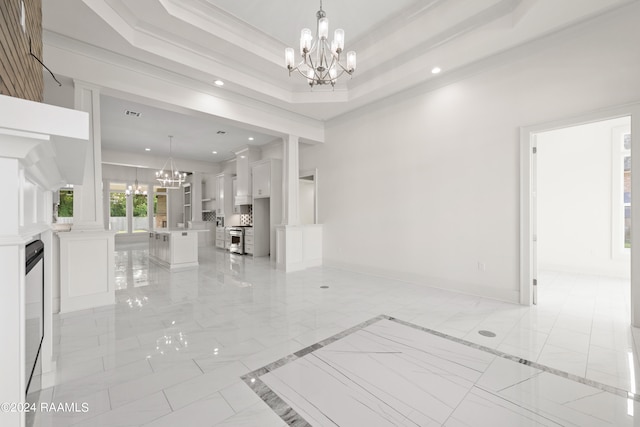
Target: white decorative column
[290, 182]
[196, 202]
[87, 198]
[297, 246]
[86, 253]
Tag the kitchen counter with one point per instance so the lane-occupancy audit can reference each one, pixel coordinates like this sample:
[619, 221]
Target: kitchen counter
[178, 230]
[174, 248]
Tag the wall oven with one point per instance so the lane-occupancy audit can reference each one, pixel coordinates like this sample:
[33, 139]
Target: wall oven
[34, 312]
[237, 240]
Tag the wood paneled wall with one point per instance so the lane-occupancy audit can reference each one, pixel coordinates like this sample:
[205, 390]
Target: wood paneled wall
[20, 73]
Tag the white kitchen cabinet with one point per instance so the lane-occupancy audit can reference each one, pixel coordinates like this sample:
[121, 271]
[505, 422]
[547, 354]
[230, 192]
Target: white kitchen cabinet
[208, 201]
[227, 238]
[239, 208]
[174, 249]
[187, 204]
[234, 190]
[153, 246]
[244, 158]
[224, 194]
[220, 194]
[261, 175]
[220, 237]
[267, 205]
[248, 240]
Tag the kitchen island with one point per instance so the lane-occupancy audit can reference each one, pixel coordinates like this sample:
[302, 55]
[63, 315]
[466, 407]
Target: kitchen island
[174, 248]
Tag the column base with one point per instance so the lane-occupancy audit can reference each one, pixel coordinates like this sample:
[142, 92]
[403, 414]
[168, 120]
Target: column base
[87, 276]
[298, 247]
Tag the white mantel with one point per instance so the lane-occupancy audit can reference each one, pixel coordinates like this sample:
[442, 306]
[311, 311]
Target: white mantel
[48, 141]
[40, 146]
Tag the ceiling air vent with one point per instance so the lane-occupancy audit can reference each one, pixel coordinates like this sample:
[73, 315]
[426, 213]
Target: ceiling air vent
[221, 132]
[132, 113]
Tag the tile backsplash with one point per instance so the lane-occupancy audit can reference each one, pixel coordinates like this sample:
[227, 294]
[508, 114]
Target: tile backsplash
[247, 219]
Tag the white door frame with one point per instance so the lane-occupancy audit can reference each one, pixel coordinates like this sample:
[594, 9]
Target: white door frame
[313, 172]
[527, 217]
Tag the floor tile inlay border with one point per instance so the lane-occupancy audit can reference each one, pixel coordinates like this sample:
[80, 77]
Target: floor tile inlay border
[293, 418]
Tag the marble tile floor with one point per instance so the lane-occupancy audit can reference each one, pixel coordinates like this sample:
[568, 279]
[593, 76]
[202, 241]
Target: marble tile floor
[387, 372]
[174, 347]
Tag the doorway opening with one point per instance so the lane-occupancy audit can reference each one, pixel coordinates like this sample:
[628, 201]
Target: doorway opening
[308, 197]
[576, 197]
[582, 214]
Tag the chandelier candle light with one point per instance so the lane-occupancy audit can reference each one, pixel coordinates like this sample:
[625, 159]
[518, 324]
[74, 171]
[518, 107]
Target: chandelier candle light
[135, 190]
[320, 63]
[170, 177]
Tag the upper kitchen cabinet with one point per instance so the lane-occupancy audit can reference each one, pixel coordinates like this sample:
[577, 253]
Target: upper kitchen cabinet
[234, 190]
[239, 208]
[224, 194]
[262, 179]
[243, 191]
[187, 203]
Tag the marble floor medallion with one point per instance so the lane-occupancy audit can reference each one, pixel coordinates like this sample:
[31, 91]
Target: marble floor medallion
[386, 372]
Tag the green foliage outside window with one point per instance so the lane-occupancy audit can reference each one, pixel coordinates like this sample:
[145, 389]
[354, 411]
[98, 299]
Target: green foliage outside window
[140, 205]
[65, 209]
[118, 204]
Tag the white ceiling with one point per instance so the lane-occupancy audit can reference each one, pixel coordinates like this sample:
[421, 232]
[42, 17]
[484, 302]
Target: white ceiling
[242, 43]
[194, 137]
[275, 18]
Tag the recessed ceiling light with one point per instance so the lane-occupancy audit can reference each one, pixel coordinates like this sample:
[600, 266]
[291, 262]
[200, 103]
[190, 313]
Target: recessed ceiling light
[214, 152]
[436, 70]
[250, 138]
[242, 157]
[219, 82]
[147, 149]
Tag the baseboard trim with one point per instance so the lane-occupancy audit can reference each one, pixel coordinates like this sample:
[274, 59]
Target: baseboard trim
[511, 296]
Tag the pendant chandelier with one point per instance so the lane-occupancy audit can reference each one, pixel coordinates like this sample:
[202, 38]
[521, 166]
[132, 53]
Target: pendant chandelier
[136, 189]
[169, 176]
[321, 63]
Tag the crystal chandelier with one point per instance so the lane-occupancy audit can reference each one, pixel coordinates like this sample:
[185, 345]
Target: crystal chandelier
[169, 176]
[320, 63]
[136, 189]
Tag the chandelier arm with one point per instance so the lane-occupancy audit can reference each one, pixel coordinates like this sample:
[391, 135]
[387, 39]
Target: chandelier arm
[333, 61]
[297, 67]
[312, 66]
[301, 73]
[340, 74]
[344, 69]
[165, 164]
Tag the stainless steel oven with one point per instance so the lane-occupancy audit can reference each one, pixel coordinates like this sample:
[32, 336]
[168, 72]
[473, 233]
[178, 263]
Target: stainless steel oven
[237, 240]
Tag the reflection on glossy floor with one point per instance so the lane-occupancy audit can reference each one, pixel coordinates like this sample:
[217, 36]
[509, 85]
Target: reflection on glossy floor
[173, 348]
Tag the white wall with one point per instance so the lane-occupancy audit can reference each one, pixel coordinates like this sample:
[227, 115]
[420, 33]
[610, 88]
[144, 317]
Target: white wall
[425, 185]
[272, 150]
[154, 163]
[208, 186]
[126, 174]
[575, 200]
